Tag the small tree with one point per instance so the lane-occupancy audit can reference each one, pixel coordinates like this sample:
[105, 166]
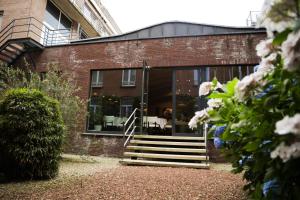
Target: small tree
[31, 134]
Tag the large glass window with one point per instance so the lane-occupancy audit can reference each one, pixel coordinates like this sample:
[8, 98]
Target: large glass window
[59, 23]
[52, 15]
[129, 77]
[97, 79]
[111, 105]
[1, 18]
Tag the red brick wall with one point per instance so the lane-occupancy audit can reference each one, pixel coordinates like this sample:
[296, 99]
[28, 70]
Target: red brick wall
[172, 52]
[222, 50]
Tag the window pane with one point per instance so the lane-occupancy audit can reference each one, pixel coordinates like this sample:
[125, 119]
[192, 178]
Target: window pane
[196, 77]
[125, 76]
[52, 15]
[65, 23]
[97, 78]
[132, 75]
[94, 76]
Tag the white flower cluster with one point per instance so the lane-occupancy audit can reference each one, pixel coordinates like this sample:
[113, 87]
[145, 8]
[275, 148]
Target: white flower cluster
[288, 125]
[276, 25]
[200, 117]
[215, 103]
[246, 86]
[264, 47]
[203, 116]
[291, 51]
[285, 126]
[286, 152]
[206, 87]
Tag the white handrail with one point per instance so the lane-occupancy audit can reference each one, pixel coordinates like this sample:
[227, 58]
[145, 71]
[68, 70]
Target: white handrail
[129, 136]
[133, 113]
[132, 124]
[133, 121]
[205, 126]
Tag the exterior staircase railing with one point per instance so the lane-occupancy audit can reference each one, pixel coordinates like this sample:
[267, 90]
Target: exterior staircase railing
[34, 29]
[205, 129]
[130, 126]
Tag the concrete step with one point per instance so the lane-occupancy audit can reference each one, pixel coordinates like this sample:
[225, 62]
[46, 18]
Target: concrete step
[165, 156]
[160, 137]
[164, 163]
[166, 149]
[167, 143]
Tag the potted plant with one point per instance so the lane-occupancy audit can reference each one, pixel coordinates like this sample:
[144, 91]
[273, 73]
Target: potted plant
[98, 119]
[96, 113]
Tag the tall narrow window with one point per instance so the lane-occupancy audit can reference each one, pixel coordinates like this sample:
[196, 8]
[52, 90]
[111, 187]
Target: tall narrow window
[129, 77]
[1, 18]
[97, 79]
[126, 106]
[201, 75]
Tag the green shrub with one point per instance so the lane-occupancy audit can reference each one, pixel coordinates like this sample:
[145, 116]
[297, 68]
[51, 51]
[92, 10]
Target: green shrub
[31, 134]
[56, 83]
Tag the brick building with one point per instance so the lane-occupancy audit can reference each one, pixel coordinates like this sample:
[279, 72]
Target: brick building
[114, 74]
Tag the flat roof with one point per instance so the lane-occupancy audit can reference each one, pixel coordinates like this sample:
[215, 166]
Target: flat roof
[174, 29]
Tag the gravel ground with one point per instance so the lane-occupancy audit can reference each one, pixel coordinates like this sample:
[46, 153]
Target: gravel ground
[103, 178]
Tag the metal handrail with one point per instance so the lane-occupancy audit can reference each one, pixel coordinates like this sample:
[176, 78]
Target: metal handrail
[130, 135]
[132, 123]
[205, 127]
[133, 112]
[31, 25]
[131, 126]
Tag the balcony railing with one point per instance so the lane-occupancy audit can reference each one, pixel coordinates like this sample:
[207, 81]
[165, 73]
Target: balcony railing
[253, 17]
[34, 29]
[90, 15]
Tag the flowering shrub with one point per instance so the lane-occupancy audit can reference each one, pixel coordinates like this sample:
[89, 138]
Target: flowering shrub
[262, 111]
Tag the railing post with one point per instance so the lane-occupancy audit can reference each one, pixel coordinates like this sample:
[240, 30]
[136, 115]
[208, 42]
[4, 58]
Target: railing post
[205, 140]
[29, 23]
[12, 29]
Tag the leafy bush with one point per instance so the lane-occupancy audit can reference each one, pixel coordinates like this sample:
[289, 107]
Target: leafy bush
[261, 112]
[31, 134]
[55, 83]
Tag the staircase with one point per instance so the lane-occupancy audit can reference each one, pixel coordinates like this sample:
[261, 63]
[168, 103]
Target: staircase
[29, 34]
[168, 151]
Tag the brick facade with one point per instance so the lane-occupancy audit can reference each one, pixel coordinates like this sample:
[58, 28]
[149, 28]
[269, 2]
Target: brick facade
[217, 50]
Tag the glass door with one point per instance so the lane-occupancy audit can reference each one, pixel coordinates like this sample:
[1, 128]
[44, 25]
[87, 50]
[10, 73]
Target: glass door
[186, 100]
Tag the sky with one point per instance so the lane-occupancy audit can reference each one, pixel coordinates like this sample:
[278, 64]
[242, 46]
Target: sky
[134, 14]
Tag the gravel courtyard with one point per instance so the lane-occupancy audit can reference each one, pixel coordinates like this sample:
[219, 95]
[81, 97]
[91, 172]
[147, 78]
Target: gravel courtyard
[104, 178]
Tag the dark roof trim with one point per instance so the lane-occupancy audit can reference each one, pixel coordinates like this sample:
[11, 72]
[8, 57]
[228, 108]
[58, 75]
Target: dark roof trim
[201, 30]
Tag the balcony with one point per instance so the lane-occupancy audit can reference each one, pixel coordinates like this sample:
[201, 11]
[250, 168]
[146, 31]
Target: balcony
[91, 16]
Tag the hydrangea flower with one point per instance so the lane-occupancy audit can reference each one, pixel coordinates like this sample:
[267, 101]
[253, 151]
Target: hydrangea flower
[219, 130]
[288, 125]
[271, 185]
[264, 48]
[286, 152]
[291, 51]
[218, 143]
[215, 103]
[200, 116]
[206, 87]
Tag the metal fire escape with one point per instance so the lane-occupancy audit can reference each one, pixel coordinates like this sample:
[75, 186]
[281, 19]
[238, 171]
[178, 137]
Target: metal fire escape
[26, 35]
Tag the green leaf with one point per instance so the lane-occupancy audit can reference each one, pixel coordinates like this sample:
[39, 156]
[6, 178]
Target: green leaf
[230, 86]
[252, 146]
[281, 37]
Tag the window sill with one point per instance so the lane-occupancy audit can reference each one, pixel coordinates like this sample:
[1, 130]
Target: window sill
[97, 86]
[128, 86]
[103, 134]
